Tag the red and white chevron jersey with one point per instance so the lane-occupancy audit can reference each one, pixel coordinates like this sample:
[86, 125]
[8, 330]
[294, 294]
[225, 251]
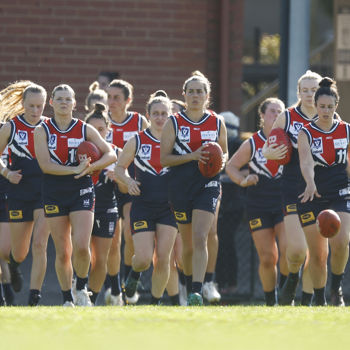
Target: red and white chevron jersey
[191, 135]
[21, 140]
[148, 170]
[329, 151]
[328, 148]
[63, 144]
[121, 132]
[266, 194]
[258, 163]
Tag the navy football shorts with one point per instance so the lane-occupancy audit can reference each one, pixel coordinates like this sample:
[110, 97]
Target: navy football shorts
[22, 211]
[259, 219]
[105, 223]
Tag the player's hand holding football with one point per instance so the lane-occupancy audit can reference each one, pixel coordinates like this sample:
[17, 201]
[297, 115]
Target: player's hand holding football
[273, 151]
[309, 193]
[133, 187]
[201, 155]
[83, 168]
[249, 180]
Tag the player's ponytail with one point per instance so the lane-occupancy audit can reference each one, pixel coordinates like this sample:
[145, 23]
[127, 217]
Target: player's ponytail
[327, 87]
[99, 112]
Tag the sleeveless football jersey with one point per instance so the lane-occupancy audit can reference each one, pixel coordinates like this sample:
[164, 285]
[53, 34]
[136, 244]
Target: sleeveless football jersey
[148, 170]
[121, 132]
[295, 120]
[266, 194]
[329, 151]
[22, 157]
[189, 136]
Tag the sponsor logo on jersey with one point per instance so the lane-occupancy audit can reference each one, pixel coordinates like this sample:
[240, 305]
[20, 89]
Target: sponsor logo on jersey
[51, 209]
[307, 217]
[209, 135]
[185, 134]
[86, 190]
[296, 127]
[52, 144]
[74, 143]
[22, 138]
[180, 216]
[16, 214]
[317, 145]
[255, 223]
[291, 208]
[260, 157]
[145, 152]
[139, 225]
[127, 135]
[340, 143]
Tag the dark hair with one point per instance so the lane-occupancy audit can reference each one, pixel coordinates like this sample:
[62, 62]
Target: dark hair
[263, 105]
[99, 112]
[327, 87]
[126, 87]
[109, 75]
[62, 87]
[95, 94]
[160, 96]
[179, 103]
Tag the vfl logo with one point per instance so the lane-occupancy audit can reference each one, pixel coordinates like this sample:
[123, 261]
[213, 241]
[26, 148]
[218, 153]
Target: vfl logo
[22, 138]
[296, 128]
[259, 155]
[52, 142]
[185, 134]
[109, 137]
[317, 145]
[146, 152]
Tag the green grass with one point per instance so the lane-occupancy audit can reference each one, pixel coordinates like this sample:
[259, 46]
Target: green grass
[147, 327]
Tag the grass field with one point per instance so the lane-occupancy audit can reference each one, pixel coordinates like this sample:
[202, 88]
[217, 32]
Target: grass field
[147, 327]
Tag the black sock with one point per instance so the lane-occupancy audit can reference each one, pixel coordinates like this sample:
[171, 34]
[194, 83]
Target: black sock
[115, 284]
[175, 300]
[293, 276]
[197, 287]
[209, 276]
[320, 297]
[34, 297]
[155, 301]
[306, 299]
[93, 296]
[81, 282]
[9, 294]
[127, 269]
[67, 295]
[13, 263]
[336, 281]
[135, 275]
[270, 298]
[282, 280]
[107, 282]
[182, 277]
[188, 282]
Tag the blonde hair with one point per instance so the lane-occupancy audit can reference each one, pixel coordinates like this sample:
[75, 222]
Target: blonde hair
[160, 96]
[12, 97]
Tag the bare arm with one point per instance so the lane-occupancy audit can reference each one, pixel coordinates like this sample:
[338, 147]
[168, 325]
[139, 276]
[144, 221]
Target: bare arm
[223, 141]
[237, 161]
[121, 170]
[307, 165]
[167, 142]
[43, 157]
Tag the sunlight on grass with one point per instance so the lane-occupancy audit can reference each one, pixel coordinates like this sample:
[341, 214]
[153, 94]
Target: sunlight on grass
[145, 327]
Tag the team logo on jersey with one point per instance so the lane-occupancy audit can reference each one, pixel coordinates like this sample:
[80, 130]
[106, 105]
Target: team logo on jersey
[139, 225]
[340, 143]
[296, 128]
[127, 135]
[16, 214]
[291, 208]
[209, 135]
[185, 134]
[255, 223]
[145, 152]
[86, 203]
[180, 216]
[109, 137]
[51, 209]
[317, 145]
[307, 217]
[260, 157]
[52, 144]
[22, 138]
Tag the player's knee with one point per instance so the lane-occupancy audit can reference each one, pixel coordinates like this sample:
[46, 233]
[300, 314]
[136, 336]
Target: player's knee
[142, 262]
[268, 260]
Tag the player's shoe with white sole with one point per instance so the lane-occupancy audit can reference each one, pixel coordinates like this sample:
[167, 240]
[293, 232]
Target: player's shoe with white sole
[83, 298]
[210, 293]
[116, 300]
